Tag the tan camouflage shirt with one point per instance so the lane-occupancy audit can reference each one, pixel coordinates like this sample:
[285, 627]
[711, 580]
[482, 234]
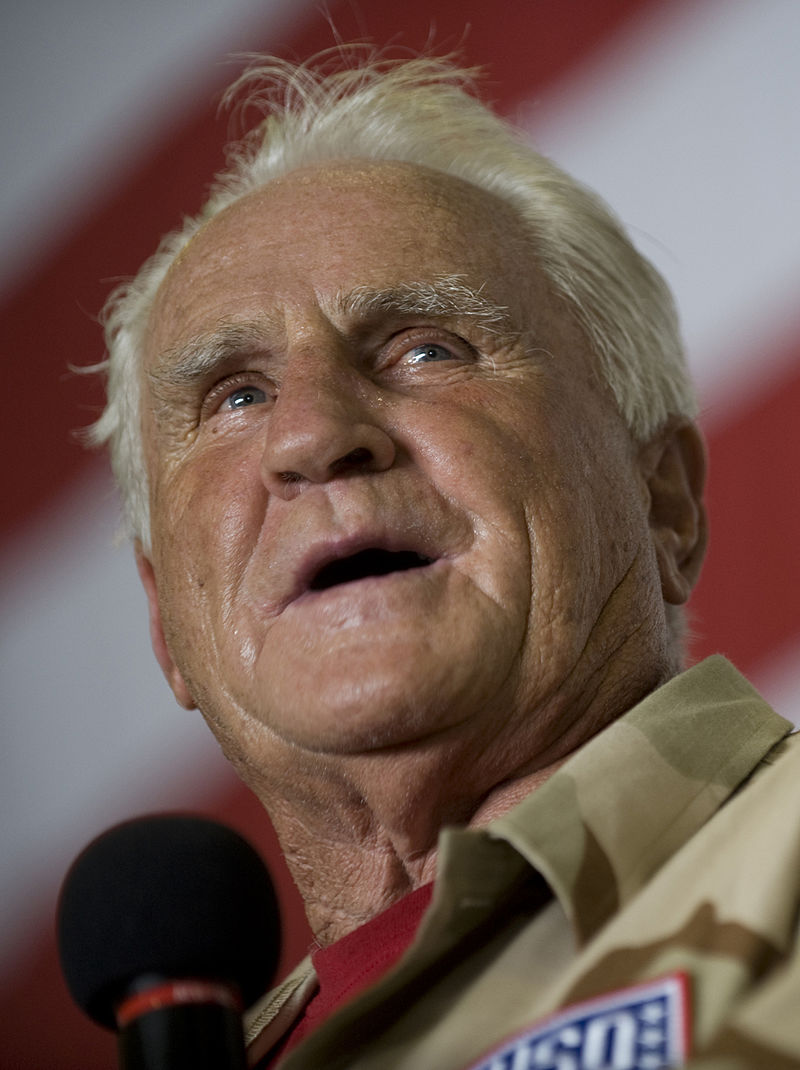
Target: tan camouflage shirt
[639, 910]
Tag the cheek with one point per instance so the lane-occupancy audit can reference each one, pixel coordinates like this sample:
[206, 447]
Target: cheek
[211, 504]
[209, 519]
[583, 512]
[486, 474]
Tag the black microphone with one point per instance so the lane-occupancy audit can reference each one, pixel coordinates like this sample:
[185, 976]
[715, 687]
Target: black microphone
[168, 928]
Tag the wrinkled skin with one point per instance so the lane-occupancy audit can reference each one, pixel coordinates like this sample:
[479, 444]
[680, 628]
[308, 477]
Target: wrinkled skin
[367, 714]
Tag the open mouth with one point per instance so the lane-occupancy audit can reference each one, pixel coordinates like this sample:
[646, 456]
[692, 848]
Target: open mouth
[364, 564]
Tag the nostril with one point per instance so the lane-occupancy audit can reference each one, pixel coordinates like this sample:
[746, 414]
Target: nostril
[359, 456]
[354, 459]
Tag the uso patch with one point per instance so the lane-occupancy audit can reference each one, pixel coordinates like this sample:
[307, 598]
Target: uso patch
[645, 1027]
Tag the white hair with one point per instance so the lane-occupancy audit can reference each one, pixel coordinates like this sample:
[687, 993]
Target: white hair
[420, 111]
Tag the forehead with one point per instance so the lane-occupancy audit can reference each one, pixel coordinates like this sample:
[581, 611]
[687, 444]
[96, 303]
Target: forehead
[322, 231]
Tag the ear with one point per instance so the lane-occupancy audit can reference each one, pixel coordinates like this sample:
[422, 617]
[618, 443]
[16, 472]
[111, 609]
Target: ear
[674, 466]
[159, 643]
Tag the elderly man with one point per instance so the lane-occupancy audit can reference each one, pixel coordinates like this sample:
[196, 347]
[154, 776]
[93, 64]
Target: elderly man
[406, 442]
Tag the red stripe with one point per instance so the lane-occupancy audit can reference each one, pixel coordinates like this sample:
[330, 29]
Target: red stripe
[746, 604]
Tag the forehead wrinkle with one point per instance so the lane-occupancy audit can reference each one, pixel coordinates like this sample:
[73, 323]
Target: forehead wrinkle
[446, 296]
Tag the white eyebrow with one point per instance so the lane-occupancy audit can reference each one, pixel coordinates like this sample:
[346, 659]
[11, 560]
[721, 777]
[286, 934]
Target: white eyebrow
[184, 364]
[446, 296]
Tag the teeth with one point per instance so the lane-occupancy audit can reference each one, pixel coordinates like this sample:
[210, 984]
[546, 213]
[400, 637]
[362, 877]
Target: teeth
[366, 563]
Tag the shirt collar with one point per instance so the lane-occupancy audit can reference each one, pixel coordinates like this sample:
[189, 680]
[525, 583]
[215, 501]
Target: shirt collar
[625, 802]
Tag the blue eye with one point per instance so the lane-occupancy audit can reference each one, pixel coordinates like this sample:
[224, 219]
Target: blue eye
[244, 397]
[429, 352]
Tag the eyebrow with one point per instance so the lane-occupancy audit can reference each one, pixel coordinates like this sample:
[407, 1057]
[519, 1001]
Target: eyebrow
[444, 297]
[184, 364]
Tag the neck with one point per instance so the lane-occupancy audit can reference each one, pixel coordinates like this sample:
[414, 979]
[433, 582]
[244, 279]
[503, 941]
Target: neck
[353, 852]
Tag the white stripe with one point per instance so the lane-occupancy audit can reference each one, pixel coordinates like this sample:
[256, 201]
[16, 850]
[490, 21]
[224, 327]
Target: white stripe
[86, 84]
[688, 126]
[778, 680]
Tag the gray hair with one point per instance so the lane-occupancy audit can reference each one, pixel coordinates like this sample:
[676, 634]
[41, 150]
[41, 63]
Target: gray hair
[420, 111]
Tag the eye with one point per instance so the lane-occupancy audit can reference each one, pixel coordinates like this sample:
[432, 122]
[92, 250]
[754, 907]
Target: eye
[431, 351]
[244, 397]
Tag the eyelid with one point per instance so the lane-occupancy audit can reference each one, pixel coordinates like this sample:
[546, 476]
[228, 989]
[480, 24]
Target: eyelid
[215, 397]
[409, 338]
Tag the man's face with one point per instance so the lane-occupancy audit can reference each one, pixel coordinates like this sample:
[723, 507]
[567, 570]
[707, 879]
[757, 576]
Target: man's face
[392, 503]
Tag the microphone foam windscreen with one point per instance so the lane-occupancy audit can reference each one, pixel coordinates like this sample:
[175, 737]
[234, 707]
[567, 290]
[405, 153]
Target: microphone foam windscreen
[170, 895]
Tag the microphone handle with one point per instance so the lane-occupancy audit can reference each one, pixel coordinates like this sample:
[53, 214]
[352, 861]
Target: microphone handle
[189, 1036]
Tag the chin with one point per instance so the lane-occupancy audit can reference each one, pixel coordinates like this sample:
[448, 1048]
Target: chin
[359, 718]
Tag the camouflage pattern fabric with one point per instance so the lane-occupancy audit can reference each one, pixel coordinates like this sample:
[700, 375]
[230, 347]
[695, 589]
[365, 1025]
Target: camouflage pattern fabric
[654, 878]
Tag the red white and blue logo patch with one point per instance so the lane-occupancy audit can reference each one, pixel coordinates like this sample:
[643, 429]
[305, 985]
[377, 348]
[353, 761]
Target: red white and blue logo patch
[645, 1027]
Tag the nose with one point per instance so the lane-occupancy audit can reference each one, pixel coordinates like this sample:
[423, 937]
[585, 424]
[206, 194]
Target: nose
[323, 425]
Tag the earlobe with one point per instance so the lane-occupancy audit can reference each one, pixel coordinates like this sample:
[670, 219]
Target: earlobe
[157, 639]
[675, 468]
